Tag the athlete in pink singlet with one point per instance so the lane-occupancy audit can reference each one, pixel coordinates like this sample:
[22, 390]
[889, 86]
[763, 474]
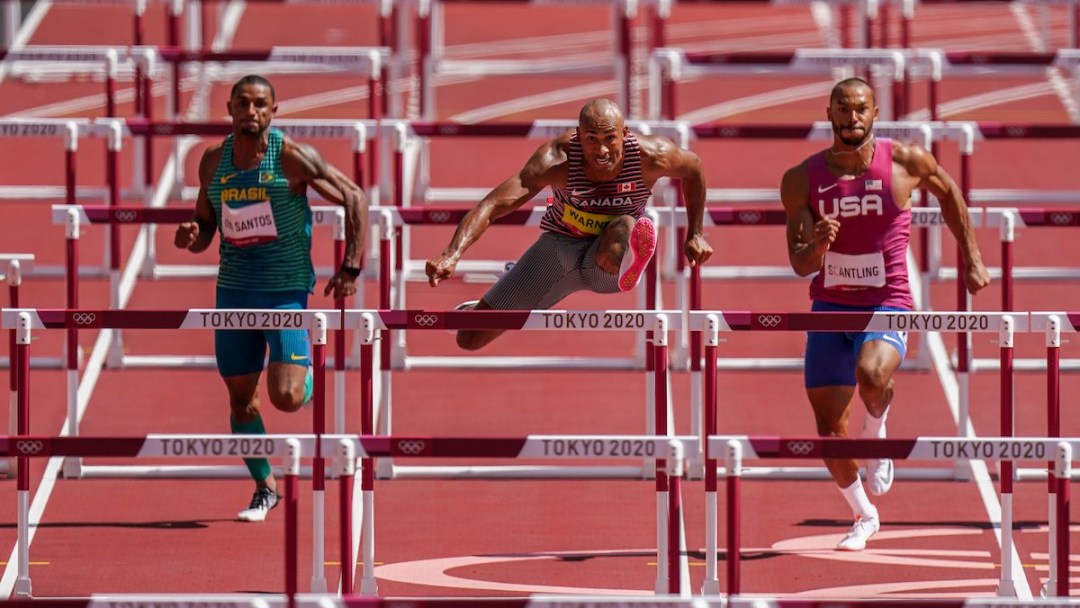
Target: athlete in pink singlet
[849, 220]
[594, 234]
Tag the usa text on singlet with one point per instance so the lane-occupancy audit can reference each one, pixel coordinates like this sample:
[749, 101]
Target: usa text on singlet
[867, 263]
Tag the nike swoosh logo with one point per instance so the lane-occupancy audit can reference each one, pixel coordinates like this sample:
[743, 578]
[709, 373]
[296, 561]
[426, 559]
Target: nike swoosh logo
[225, 178]
[825, 189]
[581, 193]
[298, 357]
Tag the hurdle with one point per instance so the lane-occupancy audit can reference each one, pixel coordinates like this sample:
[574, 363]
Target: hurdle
[907, 15]
[73, 217]
[430, 26]
[366, 61]
[357, 132]
[291, 449]
[658, 412]
[33, 61]
[390, 27]
[1053, 324]
[318, 322]
[393, 287]
[866, 12]
[668, 452]
[14, 264]
[408, 146]
[1004, 324]
[667, 66]
[1006, 449]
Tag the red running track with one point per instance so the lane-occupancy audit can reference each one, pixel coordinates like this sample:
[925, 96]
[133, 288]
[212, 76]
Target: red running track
[511, 538]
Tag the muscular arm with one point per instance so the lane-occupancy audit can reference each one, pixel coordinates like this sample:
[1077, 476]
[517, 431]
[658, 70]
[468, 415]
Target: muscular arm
[807, 240]
[304, 163]
[921, 165]
[197, 235]
[539, 172]
[665, 159]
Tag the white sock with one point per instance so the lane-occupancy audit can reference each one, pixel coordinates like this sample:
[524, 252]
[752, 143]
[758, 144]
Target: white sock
[859, 502]
[875, 427]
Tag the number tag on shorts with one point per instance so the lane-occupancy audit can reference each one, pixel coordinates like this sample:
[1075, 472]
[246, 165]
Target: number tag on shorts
[249, 225]
[861, 270]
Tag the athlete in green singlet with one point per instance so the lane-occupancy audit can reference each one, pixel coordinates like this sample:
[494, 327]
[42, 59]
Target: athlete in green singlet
[253, 188]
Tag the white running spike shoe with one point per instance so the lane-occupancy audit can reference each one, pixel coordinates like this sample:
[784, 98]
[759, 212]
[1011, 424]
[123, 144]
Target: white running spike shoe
[861, 532]
[879, 475]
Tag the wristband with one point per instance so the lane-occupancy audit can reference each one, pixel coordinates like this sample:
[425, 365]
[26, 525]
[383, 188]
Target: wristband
[354, 273]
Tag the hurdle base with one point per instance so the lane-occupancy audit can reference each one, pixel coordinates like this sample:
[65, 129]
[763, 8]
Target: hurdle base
[195, 362]
[42, 362]
[22, 588]
[538, 362]
[772, 363]
[516, 472]
[820, 473]
[1023, 365]
[1040, 474]
[748, 272]
[204, 271]
[176, 472]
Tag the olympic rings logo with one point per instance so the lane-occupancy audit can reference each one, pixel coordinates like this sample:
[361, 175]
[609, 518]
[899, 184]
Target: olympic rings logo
[800, 448]
[411, 447]
[83, 318]
[1062, 218]
[749, 217]
[729, 132]
[769, 320]
[29, 448]
[439, 217]
[1016, 131]
[125, 215]
[424, 320]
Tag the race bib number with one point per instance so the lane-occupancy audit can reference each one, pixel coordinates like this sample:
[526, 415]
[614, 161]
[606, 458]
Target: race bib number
[249, 225]
[862, 270]
[584, 222]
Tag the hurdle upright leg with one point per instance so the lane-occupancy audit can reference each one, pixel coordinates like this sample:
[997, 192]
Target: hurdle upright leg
[318, 466]
[711, 586]
[72, 464]
[1053, 429]
[14, 278]
[1007, 584]
[659, 362]
[1063, 472]
[22, 586]
[368, 586]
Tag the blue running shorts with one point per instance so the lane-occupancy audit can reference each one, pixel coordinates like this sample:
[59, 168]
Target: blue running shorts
[831, 355]
[242, 351]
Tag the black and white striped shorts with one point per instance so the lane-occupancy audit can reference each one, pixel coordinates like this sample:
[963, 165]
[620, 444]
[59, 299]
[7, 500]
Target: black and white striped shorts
[554, 267]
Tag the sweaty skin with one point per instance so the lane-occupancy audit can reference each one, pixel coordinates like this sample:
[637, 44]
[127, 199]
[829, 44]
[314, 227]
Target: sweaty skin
[851, 112]
[601, 129]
